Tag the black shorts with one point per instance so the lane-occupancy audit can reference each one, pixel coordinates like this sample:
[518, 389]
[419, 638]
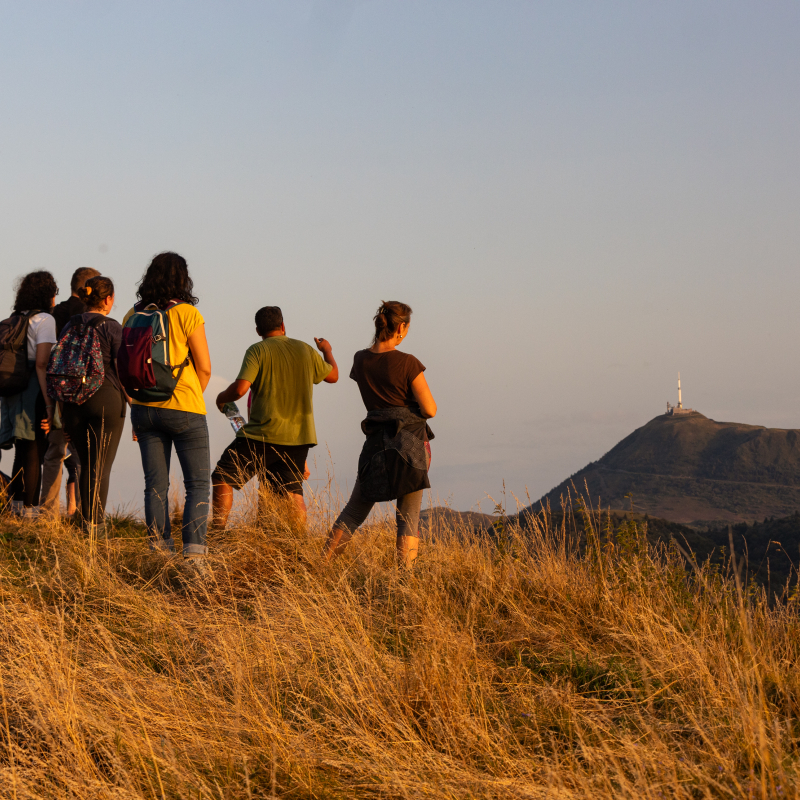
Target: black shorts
[277, 465]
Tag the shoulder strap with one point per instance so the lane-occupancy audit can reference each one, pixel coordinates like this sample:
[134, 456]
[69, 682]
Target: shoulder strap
[23, 329]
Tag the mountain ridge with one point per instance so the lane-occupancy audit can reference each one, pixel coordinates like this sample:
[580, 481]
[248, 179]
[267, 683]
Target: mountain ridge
[690, 469]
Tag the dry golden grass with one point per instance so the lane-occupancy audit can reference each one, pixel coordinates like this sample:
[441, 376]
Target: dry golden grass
[520, 671]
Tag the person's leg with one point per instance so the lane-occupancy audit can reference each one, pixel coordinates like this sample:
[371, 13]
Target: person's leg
[192, 449]
[112, 422]
[77, 467]
[72, 498]
[221, 502]
[82, 439]
[236, 466]
[51, 471]
[73, 475]
[352, 516]
[281, 467]
[155, 448]
[16, 486]
[408, 509]
[28, 458]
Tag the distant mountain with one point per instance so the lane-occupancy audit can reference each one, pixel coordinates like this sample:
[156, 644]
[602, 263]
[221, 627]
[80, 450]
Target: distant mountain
[433, 521]
[690, 469]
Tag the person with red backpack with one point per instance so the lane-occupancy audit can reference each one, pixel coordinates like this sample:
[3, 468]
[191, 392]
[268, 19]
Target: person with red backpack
[26, 414]
[165, 367]
[82, 376]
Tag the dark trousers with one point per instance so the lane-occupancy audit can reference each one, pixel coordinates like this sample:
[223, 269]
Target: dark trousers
[358, 508]
[26, 474]
[95, 429]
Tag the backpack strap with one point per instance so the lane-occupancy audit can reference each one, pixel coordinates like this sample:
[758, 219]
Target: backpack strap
[23, 331]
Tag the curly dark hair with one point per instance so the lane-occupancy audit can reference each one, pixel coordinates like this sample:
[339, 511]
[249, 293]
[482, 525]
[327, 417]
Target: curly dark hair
[166, 279]
[35, 290]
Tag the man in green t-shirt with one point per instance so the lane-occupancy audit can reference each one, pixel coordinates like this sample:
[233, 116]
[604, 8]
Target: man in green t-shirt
[274, 443]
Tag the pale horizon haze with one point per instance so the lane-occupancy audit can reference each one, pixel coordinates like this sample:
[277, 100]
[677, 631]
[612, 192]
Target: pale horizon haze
[577, 199]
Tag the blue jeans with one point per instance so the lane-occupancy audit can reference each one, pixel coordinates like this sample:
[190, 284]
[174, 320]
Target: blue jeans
[157, 429]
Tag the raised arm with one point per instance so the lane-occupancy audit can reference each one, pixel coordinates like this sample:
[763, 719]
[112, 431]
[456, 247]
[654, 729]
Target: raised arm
[324, 346]
[198, 347]
[422, 394]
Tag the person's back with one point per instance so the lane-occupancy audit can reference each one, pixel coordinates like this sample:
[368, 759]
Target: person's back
[58, 446]
[178, 421]
[284, 372]
[281, 374]
[394, 461]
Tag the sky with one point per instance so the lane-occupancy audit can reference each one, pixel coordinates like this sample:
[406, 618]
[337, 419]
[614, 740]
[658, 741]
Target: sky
[577, 199]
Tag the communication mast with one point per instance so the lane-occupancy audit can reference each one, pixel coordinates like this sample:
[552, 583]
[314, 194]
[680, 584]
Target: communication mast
[678, 409]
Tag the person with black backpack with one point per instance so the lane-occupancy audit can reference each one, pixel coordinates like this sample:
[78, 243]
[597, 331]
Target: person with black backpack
[164, 366]
[26, 414]
[82, 376]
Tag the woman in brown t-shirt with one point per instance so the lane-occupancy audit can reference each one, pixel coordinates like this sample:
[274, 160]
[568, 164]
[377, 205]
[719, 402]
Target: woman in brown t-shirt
[398, 400]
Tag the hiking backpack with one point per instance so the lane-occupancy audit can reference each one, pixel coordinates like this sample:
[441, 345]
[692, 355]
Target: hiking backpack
[14, 372]
[76, 371]
[143, 362]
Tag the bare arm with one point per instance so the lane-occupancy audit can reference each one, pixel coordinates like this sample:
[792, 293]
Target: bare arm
[236, 391]
[324, 346]
[422, 394]
[42, 357]
[198, 347]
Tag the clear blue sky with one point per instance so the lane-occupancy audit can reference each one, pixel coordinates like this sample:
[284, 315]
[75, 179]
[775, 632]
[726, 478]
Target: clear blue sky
[577, 199]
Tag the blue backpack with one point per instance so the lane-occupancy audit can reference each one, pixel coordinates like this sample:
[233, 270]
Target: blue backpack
[143, 361]
[75, 370]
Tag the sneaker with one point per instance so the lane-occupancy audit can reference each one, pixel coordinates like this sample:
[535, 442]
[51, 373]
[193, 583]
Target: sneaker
[98, 530]
[16, 507]
[197, 566]
[30, 512]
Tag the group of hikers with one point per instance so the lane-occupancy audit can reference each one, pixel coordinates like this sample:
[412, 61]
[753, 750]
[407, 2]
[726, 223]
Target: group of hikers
[69, 372]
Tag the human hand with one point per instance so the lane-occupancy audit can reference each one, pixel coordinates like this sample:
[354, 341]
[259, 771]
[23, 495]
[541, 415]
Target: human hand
[306, 472]
[323, 345]
[220, 403]
[47, 422]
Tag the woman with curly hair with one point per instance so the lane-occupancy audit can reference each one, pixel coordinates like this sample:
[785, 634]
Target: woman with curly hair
[27, 416]
[180, 420]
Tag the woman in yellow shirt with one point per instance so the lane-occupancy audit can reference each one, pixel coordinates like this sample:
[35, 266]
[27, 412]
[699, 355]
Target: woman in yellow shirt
[180, 420]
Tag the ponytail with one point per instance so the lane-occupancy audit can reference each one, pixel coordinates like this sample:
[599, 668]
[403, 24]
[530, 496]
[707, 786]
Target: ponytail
[390, 316]
[95, 291]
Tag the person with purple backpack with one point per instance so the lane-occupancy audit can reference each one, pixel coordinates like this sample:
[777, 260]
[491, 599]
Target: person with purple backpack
[82, 375]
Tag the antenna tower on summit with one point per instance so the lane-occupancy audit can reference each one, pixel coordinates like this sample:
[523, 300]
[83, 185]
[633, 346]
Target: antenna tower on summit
[678, 409]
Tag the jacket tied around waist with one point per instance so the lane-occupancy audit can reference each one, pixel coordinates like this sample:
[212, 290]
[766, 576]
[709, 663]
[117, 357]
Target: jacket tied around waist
[396, 455]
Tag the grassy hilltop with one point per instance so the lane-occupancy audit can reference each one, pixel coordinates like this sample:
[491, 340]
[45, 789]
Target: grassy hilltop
[693, 470]
[519, 668]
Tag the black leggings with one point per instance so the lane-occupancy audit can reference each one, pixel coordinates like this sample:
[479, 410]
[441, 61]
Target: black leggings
[26, 474]
[95, 429]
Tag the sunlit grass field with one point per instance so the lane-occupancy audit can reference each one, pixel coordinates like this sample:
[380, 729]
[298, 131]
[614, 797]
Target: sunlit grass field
[510, 666]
